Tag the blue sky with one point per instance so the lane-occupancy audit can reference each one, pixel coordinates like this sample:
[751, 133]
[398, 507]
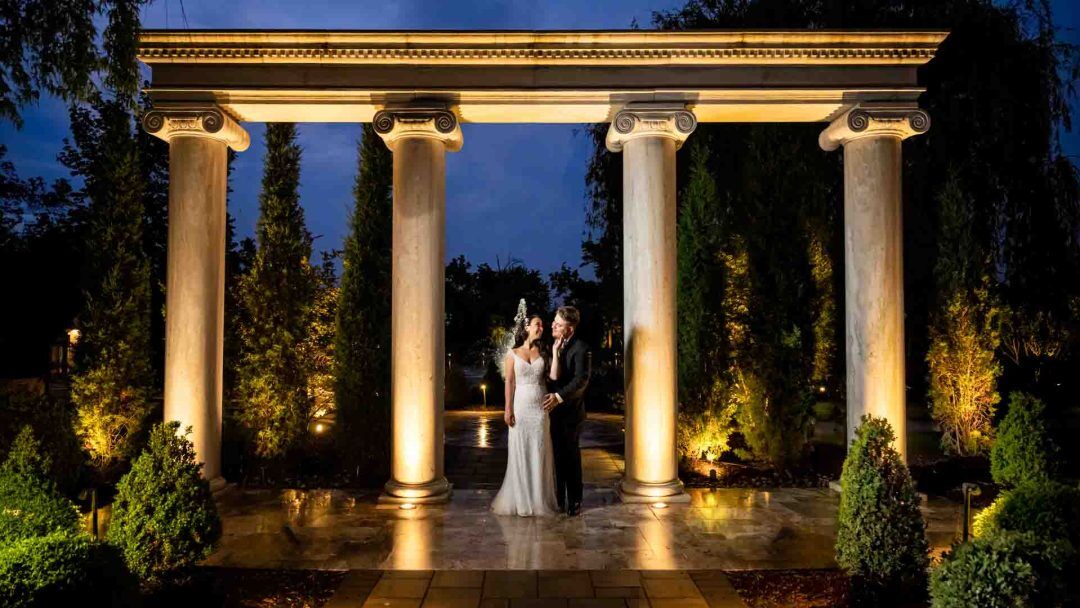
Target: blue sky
[513, 191]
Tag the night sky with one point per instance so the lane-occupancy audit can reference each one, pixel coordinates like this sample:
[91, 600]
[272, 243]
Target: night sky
[514, 191]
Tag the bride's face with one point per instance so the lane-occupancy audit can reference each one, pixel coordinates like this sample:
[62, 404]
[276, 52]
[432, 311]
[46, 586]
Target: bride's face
[536, 329]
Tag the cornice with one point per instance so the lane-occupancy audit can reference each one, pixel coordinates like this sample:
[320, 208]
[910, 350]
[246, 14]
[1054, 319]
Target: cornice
[541, 48]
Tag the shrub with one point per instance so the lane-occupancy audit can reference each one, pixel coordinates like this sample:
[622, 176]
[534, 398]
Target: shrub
[52, 421]
[1047, 509]
[1024, 450]
[881, 537]
[63, 569]
[31, 504]
[705, 431]
[1005, 569]
[164, 517]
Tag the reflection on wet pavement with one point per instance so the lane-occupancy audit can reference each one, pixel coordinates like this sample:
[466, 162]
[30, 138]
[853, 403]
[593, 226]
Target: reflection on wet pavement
[486, 429]
[720, 529]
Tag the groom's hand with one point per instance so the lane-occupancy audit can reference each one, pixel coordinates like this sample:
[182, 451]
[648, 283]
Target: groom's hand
[550, 401]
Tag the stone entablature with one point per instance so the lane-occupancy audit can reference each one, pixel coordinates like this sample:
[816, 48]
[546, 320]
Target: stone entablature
[540, 77]
[541, 48]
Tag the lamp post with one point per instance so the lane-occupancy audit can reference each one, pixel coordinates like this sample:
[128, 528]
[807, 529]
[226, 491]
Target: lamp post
[483, 389]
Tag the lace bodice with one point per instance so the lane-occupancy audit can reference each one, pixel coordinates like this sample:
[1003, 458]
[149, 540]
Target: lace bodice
[526, 373]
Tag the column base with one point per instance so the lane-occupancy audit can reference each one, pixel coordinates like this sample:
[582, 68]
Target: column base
[632, 491]
[219, 485]
[430, 493]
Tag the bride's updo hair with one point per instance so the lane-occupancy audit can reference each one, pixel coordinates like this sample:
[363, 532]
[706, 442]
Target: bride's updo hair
[522, 333]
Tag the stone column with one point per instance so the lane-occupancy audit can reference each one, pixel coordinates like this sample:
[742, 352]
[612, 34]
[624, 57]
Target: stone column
[419, 139]
[873, 259]
[195, 277]
[648, 136]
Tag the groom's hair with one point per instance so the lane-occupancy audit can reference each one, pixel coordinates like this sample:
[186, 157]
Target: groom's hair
[570, 315]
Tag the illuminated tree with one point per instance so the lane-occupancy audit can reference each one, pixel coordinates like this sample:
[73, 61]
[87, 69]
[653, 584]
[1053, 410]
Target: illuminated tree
[277, 295]
[362, 340]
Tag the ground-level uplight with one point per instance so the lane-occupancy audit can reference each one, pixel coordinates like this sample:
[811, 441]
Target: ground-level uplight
[407, 506]
[659, 505]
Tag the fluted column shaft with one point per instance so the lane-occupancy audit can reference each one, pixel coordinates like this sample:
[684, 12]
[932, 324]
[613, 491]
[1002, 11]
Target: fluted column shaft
[873, 261]
[419, 139]
[195, 275]
[648, 136]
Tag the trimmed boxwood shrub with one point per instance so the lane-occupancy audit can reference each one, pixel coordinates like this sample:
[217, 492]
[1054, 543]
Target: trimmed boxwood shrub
[881, 536]
[63, 569]
[1048, 509]
[30, 503]
[1024, 450]
[164, 517]
[1002, 570]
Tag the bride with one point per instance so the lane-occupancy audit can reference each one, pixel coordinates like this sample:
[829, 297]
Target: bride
[529, 486]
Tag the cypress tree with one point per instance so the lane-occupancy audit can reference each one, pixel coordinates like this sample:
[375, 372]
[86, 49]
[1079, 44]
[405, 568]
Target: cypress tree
[362, 342]
[277, 297]
[111, 389]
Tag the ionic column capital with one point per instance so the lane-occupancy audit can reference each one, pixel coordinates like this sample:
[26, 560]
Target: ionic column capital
[901, 122]
[430, 122]
[671, 121]
[196, 121]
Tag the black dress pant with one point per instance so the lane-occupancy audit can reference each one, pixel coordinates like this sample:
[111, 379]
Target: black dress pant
[565, 435]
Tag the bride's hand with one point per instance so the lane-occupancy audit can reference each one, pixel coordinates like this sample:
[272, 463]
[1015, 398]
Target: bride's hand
[509, 418]
[555, 348]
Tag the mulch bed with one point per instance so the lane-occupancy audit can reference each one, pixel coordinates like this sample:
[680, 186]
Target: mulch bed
[698, 474]
[792, 588]
[208, 587]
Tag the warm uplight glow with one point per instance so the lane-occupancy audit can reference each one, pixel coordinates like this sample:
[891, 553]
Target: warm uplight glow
[73, 336]
[407, 506]
[821, 389]
[319, 427]
[659, 505]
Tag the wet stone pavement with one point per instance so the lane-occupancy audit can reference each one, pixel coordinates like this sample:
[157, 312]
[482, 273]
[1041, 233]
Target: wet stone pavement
[461, 555]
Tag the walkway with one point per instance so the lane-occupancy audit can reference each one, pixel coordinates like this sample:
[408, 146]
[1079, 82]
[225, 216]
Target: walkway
[532, 589]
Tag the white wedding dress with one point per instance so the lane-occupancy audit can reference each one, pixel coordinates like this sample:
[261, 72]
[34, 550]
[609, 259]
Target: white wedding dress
[528, 488]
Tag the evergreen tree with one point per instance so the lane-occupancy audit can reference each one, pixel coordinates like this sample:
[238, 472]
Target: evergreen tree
[362, 341]
[112, 387]
[277, 297]
[705, 409]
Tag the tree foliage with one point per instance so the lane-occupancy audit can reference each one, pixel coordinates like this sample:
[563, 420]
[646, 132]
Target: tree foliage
[112, 387]
[277, 295]
[965, 331]
[362, 340]
[51, 46]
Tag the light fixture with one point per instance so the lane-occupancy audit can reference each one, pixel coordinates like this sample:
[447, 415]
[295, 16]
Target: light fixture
[659, 505]
[319, 427]
[407, 506]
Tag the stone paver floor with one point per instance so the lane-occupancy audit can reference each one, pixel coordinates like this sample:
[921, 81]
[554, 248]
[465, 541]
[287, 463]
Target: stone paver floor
[536, 589]
[726, 529]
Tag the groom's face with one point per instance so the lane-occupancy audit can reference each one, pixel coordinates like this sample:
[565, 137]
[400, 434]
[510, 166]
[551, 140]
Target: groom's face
[560, 328]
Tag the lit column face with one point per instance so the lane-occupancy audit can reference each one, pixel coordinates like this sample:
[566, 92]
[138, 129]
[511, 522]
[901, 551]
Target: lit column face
[873, 260]
[648, 136]
[195, 276]
[419, 139]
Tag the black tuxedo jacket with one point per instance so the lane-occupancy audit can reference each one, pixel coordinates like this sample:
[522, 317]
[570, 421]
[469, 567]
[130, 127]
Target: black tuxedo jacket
[575, 367]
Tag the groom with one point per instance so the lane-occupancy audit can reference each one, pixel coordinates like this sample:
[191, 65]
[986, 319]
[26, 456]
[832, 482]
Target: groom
[566, 406]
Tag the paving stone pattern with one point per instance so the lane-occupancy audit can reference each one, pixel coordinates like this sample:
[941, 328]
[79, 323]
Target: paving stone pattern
[536, 589]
